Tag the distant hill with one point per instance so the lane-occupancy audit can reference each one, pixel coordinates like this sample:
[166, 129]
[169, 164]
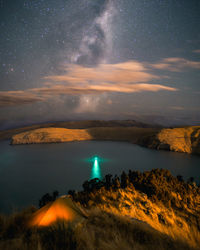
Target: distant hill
[186, 140]
[183, 139]
[7, 134]
[50, 135]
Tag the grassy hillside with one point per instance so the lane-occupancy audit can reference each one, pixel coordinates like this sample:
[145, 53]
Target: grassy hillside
[48, 135]
[101, 231]
[7, 134]
[164, 202]
[150, 210]
[185, 140]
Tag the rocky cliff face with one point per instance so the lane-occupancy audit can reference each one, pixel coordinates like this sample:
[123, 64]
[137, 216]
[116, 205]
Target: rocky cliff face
[185, 140]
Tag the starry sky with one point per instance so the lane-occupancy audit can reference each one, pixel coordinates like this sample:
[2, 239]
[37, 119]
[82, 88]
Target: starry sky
[99, 59]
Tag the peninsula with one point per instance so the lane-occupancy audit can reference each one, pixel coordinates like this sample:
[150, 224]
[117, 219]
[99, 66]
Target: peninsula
[183, 139]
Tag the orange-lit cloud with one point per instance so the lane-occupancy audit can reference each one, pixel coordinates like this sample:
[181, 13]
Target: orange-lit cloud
[13, 98]
[176, 64]
[176, 107]
[127, 77]
[197, 51]
[127, 72]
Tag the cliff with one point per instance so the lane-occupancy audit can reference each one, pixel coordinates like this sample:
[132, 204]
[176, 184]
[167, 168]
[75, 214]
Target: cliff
[185, 140]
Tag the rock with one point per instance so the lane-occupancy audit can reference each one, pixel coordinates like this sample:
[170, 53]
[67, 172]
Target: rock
[185, 140]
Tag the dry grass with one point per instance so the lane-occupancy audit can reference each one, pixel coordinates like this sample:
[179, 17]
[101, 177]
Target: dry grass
[166, 203]
[49, 135]
[101, 231]
[107, 230]
[135, 205]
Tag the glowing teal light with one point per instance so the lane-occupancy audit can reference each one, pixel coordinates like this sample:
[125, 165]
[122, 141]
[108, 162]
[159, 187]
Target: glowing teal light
[96, 169]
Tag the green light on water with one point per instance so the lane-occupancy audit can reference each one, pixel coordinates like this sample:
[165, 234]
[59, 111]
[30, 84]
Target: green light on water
[96, 169]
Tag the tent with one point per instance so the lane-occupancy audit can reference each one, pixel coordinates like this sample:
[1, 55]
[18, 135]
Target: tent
[62, 208]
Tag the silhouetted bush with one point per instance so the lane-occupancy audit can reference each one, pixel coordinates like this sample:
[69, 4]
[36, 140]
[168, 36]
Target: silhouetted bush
[124, 180]
[108, 182]
[48, 198]
[180, 178]
[157, 184]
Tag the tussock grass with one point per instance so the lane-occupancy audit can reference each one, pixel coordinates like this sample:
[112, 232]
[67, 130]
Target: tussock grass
[111, 231]
[136, 206]
[166, 203]
[102, 230]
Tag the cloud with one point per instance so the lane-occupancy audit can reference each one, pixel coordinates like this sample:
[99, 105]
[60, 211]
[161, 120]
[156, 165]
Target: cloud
[127, 72]
[13, 98]
[175, 64]
[127, 77]
[176, 108]
[196, 51]
[87, 104]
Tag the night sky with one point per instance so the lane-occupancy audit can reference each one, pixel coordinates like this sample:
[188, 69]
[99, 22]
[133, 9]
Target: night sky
[99, 59]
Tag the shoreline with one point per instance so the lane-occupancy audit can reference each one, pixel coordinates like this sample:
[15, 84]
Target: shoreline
[185, 140]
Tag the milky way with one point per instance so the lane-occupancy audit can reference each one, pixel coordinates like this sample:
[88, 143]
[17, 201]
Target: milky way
[96, 43]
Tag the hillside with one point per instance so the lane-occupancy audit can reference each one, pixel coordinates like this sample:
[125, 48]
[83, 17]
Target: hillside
[49, 135]
[7, 134]
[185, 140]
[140, 211]
[166, 203]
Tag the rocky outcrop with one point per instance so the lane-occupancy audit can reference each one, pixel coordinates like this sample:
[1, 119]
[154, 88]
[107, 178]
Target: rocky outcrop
[49, 135]
[185, 140]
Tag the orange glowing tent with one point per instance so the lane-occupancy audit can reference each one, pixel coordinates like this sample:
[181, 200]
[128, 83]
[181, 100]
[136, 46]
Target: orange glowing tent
[62, 208]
